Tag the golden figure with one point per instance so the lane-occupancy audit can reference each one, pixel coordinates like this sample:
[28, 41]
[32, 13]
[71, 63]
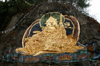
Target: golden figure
[52, 39]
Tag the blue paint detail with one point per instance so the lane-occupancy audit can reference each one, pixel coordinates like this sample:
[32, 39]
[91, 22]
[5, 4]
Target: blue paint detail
[36, 27]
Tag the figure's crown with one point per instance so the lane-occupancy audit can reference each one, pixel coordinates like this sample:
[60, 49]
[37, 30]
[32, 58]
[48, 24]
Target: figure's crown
[51, 19]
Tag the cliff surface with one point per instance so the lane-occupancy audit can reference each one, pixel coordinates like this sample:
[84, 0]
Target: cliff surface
[89, 27]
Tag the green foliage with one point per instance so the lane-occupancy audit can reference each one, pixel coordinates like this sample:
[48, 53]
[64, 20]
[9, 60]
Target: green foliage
[1, 8]
[36, 1]
[82, 3]
[8, 9]
[23, 6]
[77, 3]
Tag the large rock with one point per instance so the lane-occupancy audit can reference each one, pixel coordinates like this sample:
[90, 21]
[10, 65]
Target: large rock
[88, 32]
[88, 29]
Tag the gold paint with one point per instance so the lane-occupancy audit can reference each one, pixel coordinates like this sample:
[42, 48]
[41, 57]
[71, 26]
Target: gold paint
[50, 40]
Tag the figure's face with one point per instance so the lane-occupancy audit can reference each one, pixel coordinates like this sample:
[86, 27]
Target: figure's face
[51, 23]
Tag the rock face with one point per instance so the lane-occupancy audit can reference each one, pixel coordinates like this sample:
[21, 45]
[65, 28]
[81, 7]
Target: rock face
[88, 27]
[88, 32]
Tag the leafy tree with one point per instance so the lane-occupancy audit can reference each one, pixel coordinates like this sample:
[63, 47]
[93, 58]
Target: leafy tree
[81, 3]
[77, 3]
[10, 8]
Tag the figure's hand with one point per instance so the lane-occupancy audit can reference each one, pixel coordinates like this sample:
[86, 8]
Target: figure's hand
[36, 31]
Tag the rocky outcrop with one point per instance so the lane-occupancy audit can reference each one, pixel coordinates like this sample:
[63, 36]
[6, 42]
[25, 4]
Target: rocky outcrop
[89, 28]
